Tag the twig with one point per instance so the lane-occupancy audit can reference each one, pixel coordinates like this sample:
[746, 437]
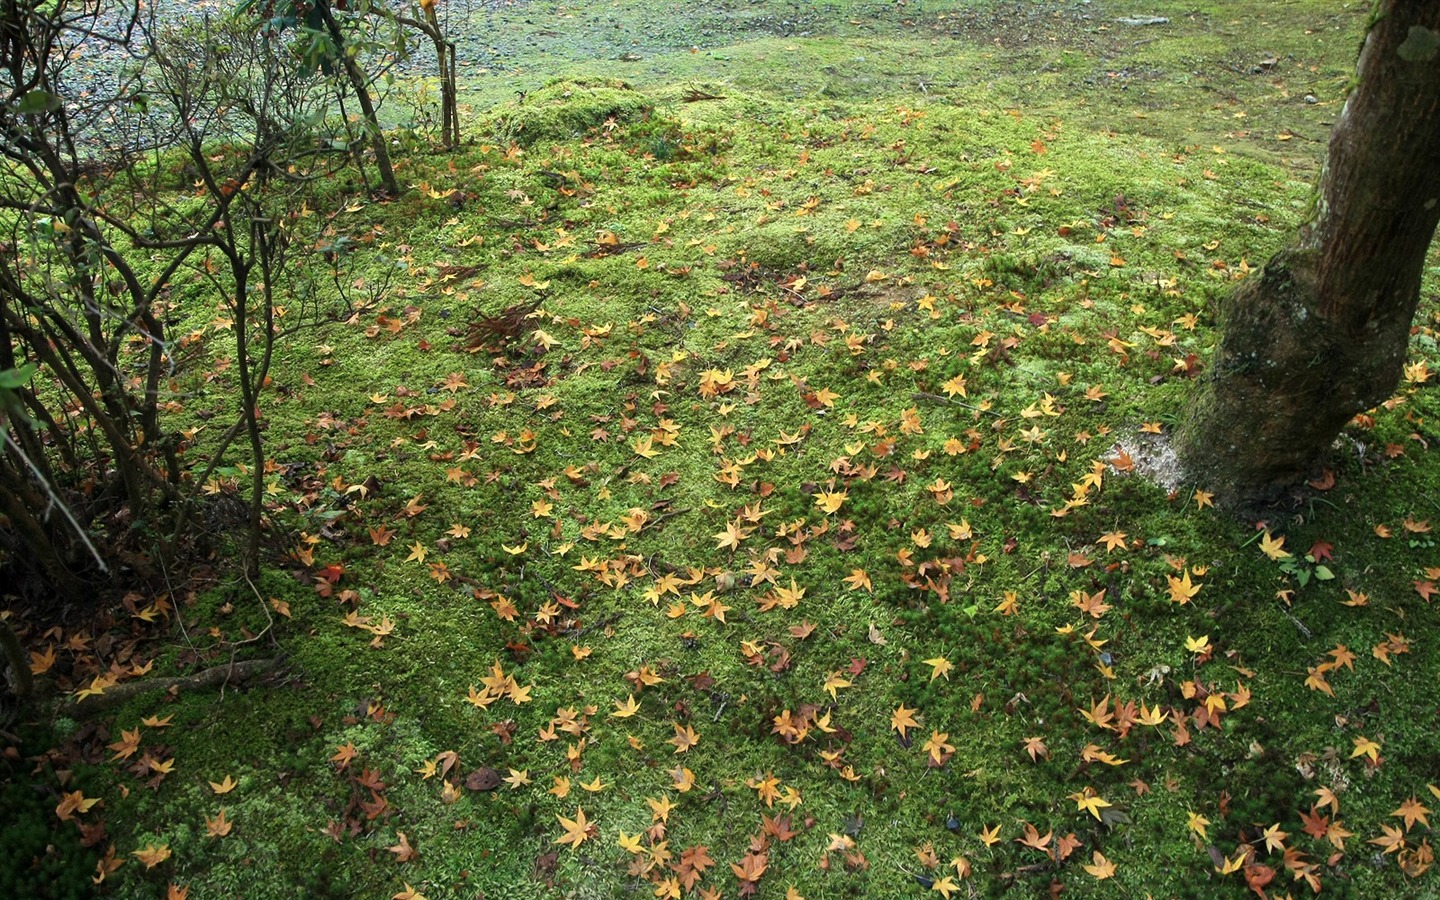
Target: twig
[56, 502]
[269, 619]
[669, 514]
[936, 398]
[1298, 624]
[577, 633]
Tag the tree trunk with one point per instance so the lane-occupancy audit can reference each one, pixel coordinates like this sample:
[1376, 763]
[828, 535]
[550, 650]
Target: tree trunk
[361, 89]
[1321, 334]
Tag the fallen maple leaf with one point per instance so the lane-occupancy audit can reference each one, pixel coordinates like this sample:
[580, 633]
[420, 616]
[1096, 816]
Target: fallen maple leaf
[902, 720]
[1089, 801]
[1412, 811]
[224, 787]
[685, 738]
[834, 681]
[624, 710]
[344, 754]
[72, 803]
[1182, 591]
[218, 826]
[1034, 839]
[1103, 868]
[1198, 824]
[1366, 747]
[127, 745]
[402, 850]
[577, 830]
[152, 855]
[1273, 547]
[1392, 840]
[1274, 838]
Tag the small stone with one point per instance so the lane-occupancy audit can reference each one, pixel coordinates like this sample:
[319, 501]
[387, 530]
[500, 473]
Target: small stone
[1311, 98]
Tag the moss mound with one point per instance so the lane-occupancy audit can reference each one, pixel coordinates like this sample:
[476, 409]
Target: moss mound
[567, 108]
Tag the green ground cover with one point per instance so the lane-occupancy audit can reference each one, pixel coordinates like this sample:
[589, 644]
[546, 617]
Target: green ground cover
[789, 536]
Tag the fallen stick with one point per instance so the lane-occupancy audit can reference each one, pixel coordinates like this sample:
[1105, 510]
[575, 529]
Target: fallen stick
[121, 693]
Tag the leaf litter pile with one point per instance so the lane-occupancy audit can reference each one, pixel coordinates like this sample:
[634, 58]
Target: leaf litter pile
[744, 501]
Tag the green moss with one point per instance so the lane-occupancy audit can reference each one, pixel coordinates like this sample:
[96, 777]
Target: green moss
[1014, 222]
[567, 108]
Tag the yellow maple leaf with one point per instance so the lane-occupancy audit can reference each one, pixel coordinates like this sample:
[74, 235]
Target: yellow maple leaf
[631, 843]
[417, 552]
[902, 720]
[626, 708]
[97, 686]
[939, 666]
[644, 446]
[1198, 824]
[1233, 864]
[1366, 747]
[1103, 868]
[1089, 801]
[1182, 591]
[224, 787]
[1273, 547]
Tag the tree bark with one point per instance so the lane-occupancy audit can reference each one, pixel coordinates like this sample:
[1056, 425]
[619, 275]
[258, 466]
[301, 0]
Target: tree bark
[1321, 333]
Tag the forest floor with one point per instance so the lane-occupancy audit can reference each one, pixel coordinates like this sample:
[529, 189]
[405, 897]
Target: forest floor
[736, 488]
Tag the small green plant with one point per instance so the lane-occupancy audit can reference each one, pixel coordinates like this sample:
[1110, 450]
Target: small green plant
[1304, 568]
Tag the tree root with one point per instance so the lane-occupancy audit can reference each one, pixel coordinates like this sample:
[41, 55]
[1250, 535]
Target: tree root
[115, 696]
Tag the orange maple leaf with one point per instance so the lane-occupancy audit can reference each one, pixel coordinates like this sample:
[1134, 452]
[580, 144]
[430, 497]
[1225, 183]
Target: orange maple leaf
[152, 855]
[685, 737]
[218, 826]
[402, 850]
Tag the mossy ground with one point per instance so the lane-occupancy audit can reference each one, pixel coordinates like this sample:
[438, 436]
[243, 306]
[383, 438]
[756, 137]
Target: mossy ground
[936, 266]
